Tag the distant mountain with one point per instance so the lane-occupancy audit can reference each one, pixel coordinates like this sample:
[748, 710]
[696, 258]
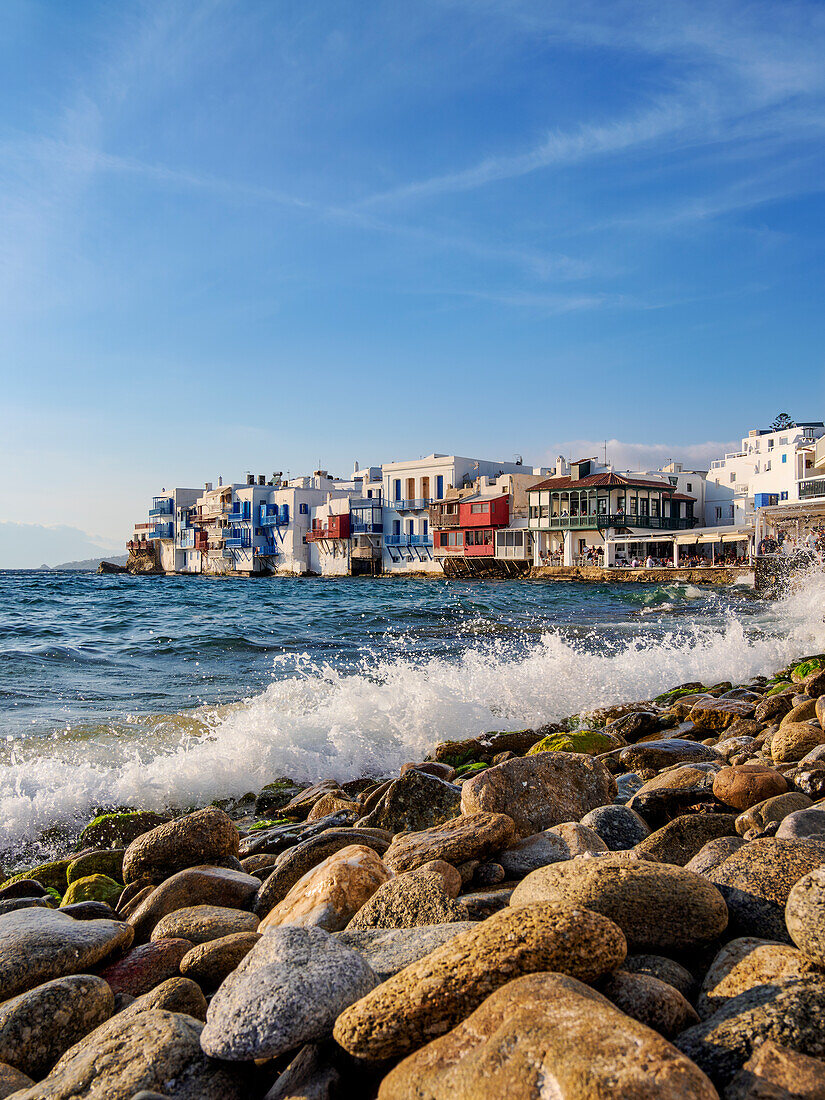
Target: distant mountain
[25, 545]
[89, 563]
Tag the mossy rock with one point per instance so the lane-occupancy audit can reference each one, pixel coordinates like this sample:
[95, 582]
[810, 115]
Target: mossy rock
[719, 689]
[471, 769]
[275, 795]
[93, 888]
[805, 668]
[780, 686]
[456, 753]
[50, 875]
[270, 824]
[107, 861]
[118, 830]
[667, 697]
[591, 742]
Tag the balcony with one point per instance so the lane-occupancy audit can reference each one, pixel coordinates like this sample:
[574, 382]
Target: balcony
[162, 531]
[592, 521]
[359, 528]
[275, 519]
[410, 505]
[241, 542]
[408, 540]
[812, 488]
[162, 508]
[269, 550]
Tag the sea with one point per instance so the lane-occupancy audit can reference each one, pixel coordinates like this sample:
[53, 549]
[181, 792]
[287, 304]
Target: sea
[156, 692]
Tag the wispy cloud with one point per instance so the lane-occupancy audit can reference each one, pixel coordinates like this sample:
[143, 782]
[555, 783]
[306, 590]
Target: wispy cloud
[643, 456]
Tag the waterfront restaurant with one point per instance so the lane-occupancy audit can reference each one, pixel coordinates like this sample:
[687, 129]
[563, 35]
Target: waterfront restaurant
[573, 515]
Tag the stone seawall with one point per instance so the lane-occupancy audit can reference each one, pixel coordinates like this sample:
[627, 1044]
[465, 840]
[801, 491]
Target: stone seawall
[593, 574]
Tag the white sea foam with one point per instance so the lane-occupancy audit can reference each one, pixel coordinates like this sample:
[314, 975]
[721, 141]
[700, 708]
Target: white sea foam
[318, 722]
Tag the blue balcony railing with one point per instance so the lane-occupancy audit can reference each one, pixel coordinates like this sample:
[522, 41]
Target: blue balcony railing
[408, 540]
[275, 519]
[358, 528]
[410, 504]
[269, 549]
[161, 508]
[162, 531]
[238, 543]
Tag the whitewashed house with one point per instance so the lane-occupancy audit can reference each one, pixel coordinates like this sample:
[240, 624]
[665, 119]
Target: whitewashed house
[771, 467]
[409, 488]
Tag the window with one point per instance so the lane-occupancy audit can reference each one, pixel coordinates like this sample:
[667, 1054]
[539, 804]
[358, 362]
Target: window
[426, 528]
[410, 527]
[767, 466]
[770, 444]
[397, 489]
[439, 486]
[478, 509]
[303, 509]
[718, 513]
[732, 476]
[784, 458]
[783, 496]
[690, 487]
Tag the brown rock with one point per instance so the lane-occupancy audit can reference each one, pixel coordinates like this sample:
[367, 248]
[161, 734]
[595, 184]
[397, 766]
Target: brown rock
[718, 714]
[772, 708]
[434, 994]
[299, 806]
[413, 802]
[651, 1001]
[431, 767]
[331, 894]
[577, 839]
[471, 836]
[194, 886]
[657, 906]
[792, 741]
[770, 812]
[539, 791]
[681, 839]
[748, 962]
[206, 837]
[757, 879]
[805, 915]
[334, 803]
[745, 785]
[209, 963]
[451, 878]
[801, 712]
[408, 901]
[294, 863]
[11, 1080]
[547, 1035]
[774, 1072]
[201, 923]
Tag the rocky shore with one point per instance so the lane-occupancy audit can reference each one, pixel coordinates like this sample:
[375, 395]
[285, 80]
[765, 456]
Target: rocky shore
[629, 904]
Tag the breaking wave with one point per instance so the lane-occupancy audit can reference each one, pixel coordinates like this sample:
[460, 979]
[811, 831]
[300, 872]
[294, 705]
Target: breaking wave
[316, 721]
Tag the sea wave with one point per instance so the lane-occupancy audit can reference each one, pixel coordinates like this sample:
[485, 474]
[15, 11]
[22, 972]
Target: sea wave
[317, 721]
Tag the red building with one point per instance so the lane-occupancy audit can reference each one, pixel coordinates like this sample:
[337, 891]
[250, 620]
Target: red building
[466, 527]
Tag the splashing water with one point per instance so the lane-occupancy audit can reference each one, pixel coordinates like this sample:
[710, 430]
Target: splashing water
[317, 719]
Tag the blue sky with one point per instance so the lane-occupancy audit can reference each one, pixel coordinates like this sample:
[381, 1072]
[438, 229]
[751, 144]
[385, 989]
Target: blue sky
[259, 235]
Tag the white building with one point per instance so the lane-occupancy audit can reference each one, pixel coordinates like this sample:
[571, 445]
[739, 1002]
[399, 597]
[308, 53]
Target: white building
[409, 489]
[772, 467]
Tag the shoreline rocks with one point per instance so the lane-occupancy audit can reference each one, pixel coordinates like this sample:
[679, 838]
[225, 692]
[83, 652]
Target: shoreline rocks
[457, 930]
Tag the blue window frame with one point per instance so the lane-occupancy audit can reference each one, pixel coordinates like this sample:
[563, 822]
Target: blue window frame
[784, 458]
[303, 509]
[439, 486]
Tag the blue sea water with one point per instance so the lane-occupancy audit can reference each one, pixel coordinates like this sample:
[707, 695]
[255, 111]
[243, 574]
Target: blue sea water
[158, 691]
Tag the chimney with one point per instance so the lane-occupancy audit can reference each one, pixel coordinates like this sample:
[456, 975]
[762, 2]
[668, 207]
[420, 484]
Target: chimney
[220, 481]
[208, 486]
[250, 479]
[262, 479]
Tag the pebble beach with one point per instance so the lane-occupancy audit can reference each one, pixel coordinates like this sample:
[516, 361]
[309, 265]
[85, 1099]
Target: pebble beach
[629, 902]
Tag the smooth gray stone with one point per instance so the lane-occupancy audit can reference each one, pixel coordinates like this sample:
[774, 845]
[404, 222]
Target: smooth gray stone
[289, 990]
[37, 1027]
[619, 827]
[532, 852]
[37, 945]
[806, 824]
[389, 950]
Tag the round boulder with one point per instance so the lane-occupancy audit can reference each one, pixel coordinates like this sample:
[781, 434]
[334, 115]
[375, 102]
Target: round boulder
[743, 785]
[657, 906]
